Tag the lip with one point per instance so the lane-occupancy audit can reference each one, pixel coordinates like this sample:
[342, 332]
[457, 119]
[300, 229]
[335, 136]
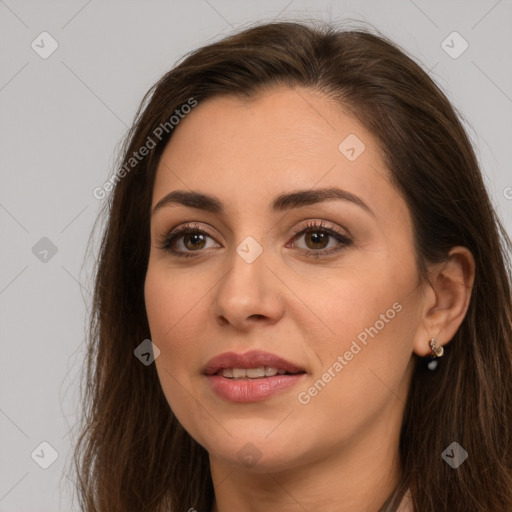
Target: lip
[251, 359]
[250, 390]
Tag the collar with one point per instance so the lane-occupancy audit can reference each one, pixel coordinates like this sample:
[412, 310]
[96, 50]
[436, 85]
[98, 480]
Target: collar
[406, 503]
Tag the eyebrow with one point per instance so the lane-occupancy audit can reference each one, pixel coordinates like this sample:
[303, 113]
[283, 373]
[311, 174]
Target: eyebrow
[282, 202]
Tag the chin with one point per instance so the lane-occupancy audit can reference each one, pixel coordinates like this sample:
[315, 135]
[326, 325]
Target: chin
[257, 453]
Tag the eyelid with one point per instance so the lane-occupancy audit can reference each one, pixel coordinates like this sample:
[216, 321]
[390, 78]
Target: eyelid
[344, 238]
[164, 240]
[320, 225]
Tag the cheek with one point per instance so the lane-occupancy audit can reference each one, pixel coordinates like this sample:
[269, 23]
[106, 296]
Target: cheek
[360, 308]
[372, 318]
[176, 321]
[174, 306]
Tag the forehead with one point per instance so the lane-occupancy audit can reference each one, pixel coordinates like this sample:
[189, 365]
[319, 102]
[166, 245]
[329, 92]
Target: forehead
[248, 151]
[281, 118]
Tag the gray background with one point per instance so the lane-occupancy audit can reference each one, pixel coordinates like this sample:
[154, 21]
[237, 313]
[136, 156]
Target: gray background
[62, 118]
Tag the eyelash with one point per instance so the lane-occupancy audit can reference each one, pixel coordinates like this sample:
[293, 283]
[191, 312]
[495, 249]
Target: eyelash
[167, 240]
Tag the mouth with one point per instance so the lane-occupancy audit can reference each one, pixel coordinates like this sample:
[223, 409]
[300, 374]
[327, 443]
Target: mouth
[254, 364]
[261, 372]
[252, 376]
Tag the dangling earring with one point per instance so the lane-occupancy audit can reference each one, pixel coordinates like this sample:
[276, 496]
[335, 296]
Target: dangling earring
[436, 352]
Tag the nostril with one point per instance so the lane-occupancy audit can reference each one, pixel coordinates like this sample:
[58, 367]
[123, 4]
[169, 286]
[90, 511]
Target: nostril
[223, 321]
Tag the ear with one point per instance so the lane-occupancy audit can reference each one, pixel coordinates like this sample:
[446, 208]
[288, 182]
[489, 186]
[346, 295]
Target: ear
[446, 299]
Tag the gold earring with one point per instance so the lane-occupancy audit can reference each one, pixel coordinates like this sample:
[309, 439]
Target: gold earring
[436, 352]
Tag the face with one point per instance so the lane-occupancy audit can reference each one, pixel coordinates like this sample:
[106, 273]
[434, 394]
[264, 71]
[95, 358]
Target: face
[327, 283]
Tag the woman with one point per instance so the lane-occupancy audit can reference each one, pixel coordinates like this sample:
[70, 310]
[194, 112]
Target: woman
[300, 227]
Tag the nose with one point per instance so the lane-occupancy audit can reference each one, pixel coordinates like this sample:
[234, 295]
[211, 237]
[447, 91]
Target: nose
[249, 294]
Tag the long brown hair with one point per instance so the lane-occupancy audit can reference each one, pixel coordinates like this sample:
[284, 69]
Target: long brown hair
[132, 453]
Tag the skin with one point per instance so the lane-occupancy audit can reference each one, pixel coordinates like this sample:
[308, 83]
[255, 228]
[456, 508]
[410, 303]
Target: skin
[342, 446]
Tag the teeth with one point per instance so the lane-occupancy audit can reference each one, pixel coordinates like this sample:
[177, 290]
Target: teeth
[254, 373]
[227, 372]
[270, 371]
[251, 373]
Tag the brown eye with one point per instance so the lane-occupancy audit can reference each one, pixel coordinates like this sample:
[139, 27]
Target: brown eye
[186, 240]
[194, 241]
[316, 239]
